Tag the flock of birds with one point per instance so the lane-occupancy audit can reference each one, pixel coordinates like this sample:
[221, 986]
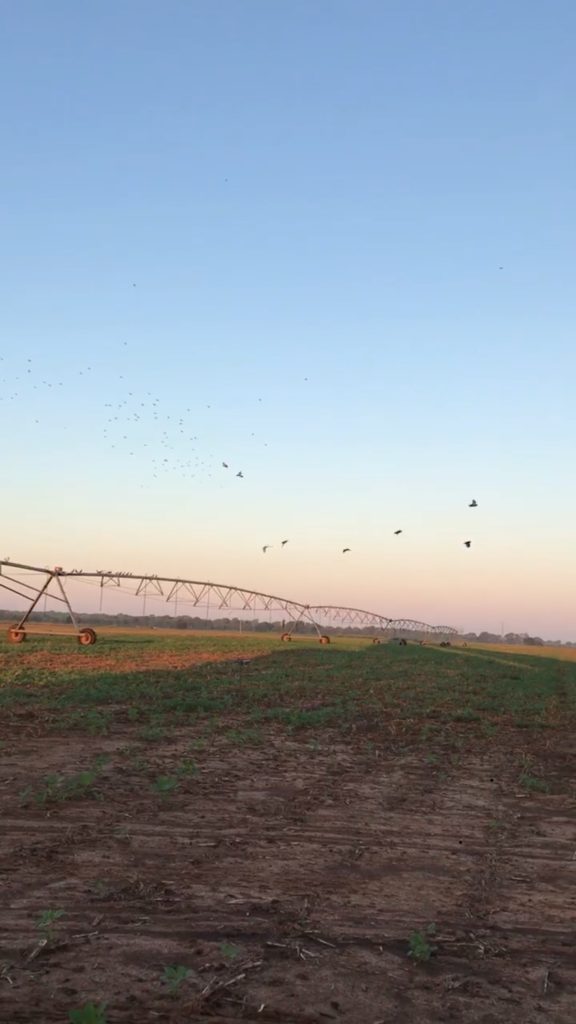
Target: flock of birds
[345, 551]
[136, 424]
[137, 421]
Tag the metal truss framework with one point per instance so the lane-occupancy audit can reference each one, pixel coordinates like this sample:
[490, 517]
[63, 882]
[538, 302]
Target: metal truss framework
[15, 578]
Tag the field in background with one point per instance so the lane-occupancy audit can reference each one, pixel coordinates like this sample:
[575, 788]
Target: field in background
[214, 827]
[565, 653]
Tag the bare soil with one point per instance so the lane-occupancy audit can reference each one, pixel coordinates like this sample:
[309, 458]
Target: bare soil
[289, 879]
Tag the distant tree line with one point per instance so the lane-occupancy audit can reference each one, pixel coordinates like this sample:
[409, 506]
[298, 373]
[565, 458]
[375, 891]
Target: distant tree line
[510, 638]
[236, 625]
[191, 622]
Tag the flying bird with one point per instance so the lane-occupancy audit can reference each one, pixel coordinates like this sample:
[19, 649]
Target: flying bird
[396, 532]
[225, 464]
[240, 474]
[344, 550]
[473, 503]
[284, 542]
[265, 548]
[467, 543]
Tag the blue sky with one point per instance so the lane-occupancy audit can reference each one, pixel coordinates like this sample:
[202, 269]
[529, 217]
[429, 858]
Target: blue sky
[329, 243]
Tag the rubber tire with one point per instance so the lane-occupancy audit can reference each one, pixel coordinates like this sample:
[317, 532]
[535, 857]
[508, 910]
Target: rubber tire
[86, 637]
[16, 636]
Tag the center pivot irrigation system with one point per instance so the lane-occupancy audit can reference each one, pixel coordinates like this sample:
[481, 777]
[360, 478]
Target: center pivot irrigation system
[32, 583]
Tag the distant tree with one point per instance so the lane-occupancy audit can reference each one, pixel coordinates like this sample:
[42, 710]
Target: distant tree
[489, 638]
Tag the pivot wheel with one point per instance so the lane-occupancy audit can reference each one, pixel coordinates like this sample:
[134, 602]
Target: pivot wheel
[86, 637]
[286, 637]
[375, 640]
[324, 639]
[16, 635]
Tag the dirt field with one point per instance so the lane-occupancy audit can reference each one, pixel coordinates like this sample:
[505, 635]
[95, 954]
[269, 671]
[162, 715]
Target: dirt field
[350, 833]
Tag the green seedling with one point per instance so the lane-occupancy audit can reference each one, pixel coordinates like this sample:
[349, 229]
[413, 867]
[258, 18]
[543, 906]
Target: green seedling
[174, 976]
[533, 784]
[421, 949]
[229, 951]
[244, 737]
[58, 788]
[152, 733]
[187, 768]
[164, 785]
[46, 922]
[89, 1014]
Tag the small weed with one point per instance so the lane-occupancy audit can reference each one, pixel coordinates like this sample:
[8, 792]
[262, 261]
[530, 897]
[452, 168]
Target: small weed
[465, 715]
[154, 731]
[89, 1014]
[46, 922]
[533, 784]
[95, 723]
[164, 785]
[174, 976]
[489, 729]
[229, 951]
[297, 718]
[137, 762]
[57, 788]
[122, 833]
[420, 949]
[528, 778]
[187, 769]
[244, 737]
[100, 889]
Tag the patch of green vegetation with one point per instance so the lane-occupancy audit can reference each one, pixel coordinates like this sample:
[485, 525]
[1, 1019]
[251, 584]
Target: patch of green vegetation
[93, 722]
[302, 718]
[533, 784]
[244, 737]
[56, 788]
[198, 744]
[530, 777]
[229, 951]
[187, 769]
[165, 785]
[413, 696]
[173, 977]
[420, 947]
[152, 733]
[46, 922]
[90, 1013]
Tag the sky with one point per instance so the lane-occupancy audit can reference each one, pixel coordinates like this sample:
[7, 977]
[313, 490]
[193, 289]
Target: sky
[328, 242]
